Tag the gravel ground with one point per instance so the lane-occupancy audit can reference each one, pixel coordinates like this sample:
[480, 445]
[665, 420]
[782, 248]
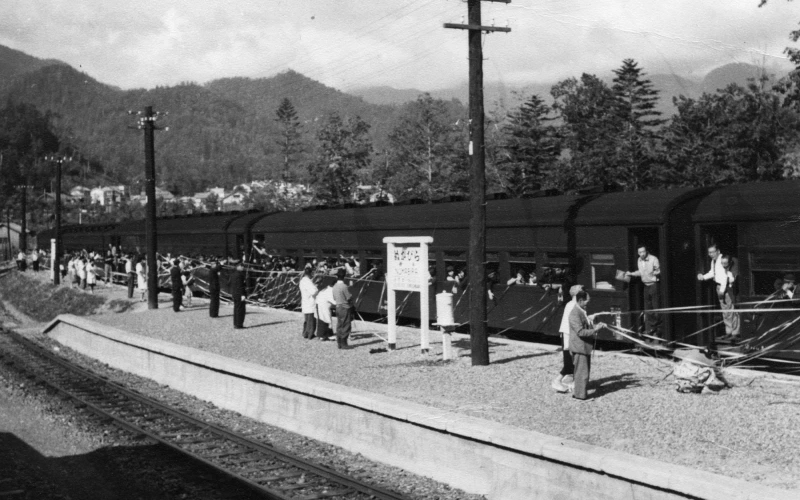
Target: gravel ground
[750, 431]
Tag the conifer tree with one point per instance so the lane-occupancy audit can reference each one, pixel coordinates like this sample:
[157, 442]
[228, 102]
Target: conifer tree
[639, 120]
[290, 138]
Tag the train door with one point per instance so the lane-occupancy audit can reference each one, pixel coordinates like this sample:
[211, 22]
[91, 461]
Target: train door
[649, 237]
[725, 236]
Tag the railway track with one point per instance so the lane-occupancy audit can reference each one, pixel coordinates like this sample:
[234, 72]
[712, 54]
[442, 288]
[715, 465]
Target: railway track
[256, 465]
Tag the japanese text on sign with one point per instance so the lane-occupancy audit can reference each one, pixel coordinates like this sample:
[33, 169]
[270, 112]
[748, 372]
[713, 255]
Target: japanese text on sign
[406, 263]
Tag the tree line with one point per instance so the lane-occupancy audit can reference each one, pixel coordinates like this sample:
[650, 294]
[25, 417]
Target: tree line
[585, 134]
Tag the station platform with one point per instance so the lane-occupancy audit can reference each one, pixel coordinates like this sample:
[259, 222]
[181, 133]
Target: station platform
[498, 430]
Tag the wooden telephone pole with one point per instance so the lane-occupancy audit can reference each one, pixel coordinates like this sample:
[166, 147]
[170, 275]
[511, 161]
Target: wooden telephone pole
[477, 190]
[147, 122]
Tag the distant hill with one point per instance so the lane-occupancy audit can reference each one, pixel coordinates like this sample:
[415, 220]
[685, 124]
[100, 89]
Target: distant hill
[669, 86]
[220, 133]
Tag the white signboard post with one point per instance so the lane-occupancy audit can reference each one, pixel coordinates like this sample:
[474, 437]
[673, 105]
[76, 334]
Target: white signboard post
[407, 269]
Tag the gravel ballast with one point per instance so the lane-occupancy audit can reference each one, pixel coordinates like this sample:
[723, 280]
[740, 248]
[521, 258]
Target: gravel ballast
[749, 432]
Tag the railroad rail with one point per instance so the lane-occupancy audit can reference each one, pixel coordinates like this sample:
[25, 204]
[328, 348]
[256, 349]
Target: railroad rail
[267, 471]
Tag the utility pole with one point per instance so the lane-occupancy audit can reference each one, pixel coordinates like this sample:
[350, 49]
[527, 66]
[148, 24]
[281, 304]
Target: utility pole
[59, 161]
[147, 122]
[23, 236]
[477, 190]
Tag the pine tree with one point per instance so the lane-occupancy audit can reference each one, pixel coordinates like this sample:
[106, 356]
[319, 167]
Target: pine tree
[290, 139]
[529, 149]
[636, 111]
[343, 154]
[425, 161]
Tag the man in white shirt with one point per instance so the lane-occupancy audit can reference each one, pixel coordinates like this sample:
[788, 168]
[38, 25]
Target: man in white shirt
[308, 291]
[723, 271]
[649, 271]
[565, 377]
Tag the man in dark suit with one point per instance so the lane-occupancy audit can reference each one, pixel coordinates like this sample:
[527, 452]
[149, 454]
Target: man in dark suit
[581, 343]
[177, 285]
[213, 290]
[237, 287]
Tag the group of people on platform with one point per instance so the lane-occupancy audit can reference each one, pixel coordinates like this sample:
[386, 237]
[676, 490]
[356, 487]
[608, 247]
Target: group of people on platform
[318, 308]
[579, 329]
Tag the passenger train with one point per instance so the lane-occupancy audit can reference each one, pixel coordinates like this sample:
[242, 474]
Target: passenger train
[583, 237]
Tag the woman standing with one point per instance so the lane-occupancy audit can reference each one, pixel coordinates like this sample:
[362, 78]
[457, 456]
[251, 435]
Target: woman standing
[91, 275]
[141, 279]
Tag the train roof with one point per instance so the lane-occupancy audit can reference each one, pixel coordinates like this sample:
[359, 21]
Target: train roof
[241, 224]
[199, 223]
[634, 207]
[501, 213]
[754, 201]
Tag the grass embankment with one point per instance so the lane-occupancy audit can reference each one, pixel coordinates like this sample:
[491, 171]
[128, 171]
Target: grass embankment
[42, 301]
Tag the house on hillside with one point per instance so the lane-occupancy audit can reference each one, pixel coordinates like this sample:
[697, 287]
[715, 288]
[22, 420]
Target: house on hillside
[108, 196]
[10, 233]
[81, 193]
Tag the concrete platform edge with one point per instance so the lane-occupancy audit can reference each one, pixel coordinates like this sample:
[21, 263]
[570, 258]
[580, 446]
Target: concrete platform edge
[559, 459]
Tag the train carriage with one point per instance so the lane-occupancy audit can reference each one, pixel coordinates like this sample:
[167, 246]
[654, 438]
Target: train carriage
[759, 225]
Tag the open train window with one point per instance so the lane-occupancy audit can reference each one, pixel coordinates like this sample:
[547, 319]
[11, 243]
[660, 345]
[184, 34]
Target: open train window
[372, 267]
[556, 269]
[769, 267]
[603, 271]
[523, 268]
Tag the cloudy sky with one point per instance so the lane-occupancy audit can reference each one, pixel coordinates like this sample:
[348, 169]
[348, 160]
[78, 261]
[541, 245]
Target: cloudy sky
[349, 44]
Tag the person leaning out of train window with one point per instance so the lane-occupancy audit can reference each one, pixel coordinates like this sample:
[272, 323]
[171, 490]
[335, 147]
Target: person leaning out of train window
[452, 281]
[520, 278]
[785, 287]
[724, 271]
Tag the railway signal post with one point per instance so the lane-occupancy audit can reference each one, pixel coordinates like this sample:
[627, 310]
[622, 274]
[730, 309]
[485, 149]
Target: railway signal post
[147, 122]
[477, 191]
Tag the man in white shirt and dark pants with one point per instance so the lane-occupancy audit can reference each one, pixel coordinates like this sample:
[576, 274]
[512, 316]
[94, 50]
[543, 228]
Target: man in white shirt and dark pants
[308, 291]
[723, 272]
[649, 271]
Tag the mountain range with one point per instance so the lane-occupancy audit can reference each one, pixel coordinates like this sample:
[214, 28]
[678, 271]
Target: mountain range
[224, 132]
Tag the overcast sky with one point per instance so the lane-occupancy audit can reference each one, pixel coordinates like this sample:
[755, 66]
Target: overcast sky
[349, 44]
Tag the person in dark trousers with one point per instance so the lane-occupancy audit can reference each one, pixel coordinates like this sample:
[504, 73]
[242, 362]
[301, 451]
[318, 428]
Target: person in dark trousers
[177, 285]
[130, 262]
[344, 309]
[649, 271]
[238, 293]
[308, 292]
[213, 290]
[581, 343]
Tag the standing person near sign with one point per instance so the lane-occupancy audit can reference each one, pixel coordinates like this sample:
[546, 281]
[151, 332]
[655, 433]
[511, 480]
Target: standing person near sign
[344, 309]
[322, 306]
[237, 287]
[177, 284]
[308, 291]
[213, 290]
[581, 343]
[649, 271]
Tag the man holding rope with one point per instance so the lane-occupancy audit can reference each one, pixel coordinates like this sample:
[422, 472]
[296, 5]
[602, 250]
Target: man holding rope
[581, 343]
[723, 271]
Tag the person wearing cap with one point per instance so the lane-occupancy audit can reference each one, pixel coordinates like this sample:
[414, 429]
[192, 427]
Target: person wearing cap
[238, 293]
[564, 379]
[177, 285]
[308, 290]
[213, 290]
[581, 343]
[724, 272]
[344, 309]
[649, 272]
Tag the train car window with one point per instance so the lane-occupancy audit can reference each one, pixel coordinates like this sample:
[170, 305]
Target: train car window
[556, 270]
[603, 271]
[768, 269]
[523, 268]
